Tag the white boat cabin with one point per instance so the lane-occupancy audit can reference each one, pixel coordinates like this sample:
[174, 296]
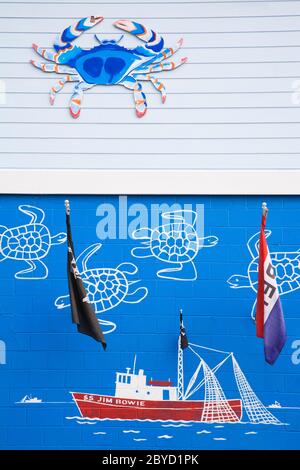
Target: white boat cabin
[131, 385]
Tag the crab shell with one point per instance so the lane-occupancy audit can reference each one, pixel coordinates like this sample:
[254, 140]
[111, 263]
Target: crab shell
[31, 241]
[175, 243]
[287, 271]
[105, 287]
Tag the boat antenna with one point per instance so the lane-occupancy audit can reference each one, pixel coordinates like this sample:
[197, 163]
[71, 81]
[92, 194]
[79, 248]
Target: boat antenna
[134, 363]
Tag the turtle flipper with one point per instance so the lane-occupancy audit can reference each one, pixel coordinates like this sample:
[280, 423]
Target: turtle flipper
[62, 301]
[183, 272]
[253, 243]
[83, 258]
[253, 311]
[111, 326]
[136, 296]
[37, 270]
[127, 268]
[36, 214]
[143, 233]
[141, 252]
[2, 230]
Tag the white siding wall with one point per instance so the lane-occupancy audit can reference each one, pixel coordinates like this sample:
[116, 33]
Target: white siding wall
[231, 106]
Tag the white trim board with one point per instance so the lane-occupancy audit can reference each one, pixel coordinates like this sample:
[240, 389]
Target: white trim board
[150, 182]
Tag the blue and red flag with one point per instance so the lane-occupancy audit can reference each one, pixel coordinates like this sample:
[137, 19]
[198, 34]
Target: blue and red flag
[270, 323]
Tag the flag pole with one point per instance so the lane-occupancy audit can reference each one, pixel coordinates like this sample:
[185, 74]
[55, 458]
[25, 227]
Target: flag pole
[270, 324]
[83, 314]
[265, 211]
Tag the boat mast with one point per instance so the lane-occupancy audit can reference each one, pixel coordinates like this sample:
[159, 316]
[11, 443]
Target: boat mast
[134, 363]
[180, 389]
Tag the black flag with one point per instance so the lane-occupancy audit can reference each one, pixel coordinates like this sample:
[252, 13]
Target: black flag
[82, 312]
[183, 337]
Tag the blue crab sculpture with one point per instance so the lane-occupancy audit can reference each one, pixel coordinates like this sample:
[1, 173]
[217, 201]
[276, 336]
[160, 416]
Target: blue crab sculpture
[108, 63]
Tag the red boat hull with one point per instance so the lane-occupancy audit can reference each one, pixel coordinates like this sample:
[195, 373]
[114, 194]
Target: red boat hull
[107, 407]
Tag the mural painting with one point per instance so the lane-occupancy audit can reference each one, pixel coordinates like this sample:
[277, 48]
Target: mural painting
[145, 390]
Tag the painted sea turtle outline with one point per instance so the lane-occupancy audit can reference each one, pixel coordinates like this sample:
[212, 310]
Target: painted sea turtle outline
[175, 243]
[29, 243]
[106, 287]
[286, 265]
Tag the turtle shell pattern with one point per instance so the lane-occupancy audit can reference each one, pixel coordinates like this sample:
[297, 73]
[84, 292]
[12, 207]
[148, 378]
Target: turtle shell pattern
[174, 243]
[26, 242]
[287, 271]
[105, 288]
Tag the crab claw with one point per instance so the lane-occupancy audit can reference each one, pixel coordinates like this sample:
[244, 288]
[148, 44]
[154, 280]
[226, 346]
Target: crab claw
[65, 39]
[154, 41]
[126, 25]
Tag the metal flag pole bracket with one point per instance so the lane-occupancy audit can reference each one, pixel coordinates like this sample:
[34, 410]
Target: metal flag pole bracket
[180, 313]
[265, 209]
[67, 206]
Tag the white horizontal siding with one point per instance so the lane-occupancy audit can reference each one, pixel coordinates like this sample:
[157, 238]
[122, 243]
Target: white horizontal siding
[161, 115]
[182, 100]
[230, 106]
[152, 131]
[164, 25]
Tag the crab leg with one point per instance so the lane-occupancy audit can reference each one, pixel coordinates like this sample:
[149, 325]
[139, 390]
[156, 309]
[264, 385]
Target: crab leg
[53, 68]
[155, 42]
[46, 53]
[168, 52]
[75, 104]
[139, 96]
[162, 66]
[60, 84]
[63, 41]
[156, 83]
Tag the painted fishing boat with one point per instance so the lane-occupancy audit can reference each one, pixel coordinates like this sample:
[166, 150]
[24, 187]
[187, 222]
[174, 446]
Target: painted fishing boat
[138, 399]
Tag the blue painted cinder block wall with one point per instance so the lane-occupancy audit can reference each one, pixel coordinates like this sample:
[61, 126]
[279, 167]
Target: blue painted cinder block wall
[42, 355]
